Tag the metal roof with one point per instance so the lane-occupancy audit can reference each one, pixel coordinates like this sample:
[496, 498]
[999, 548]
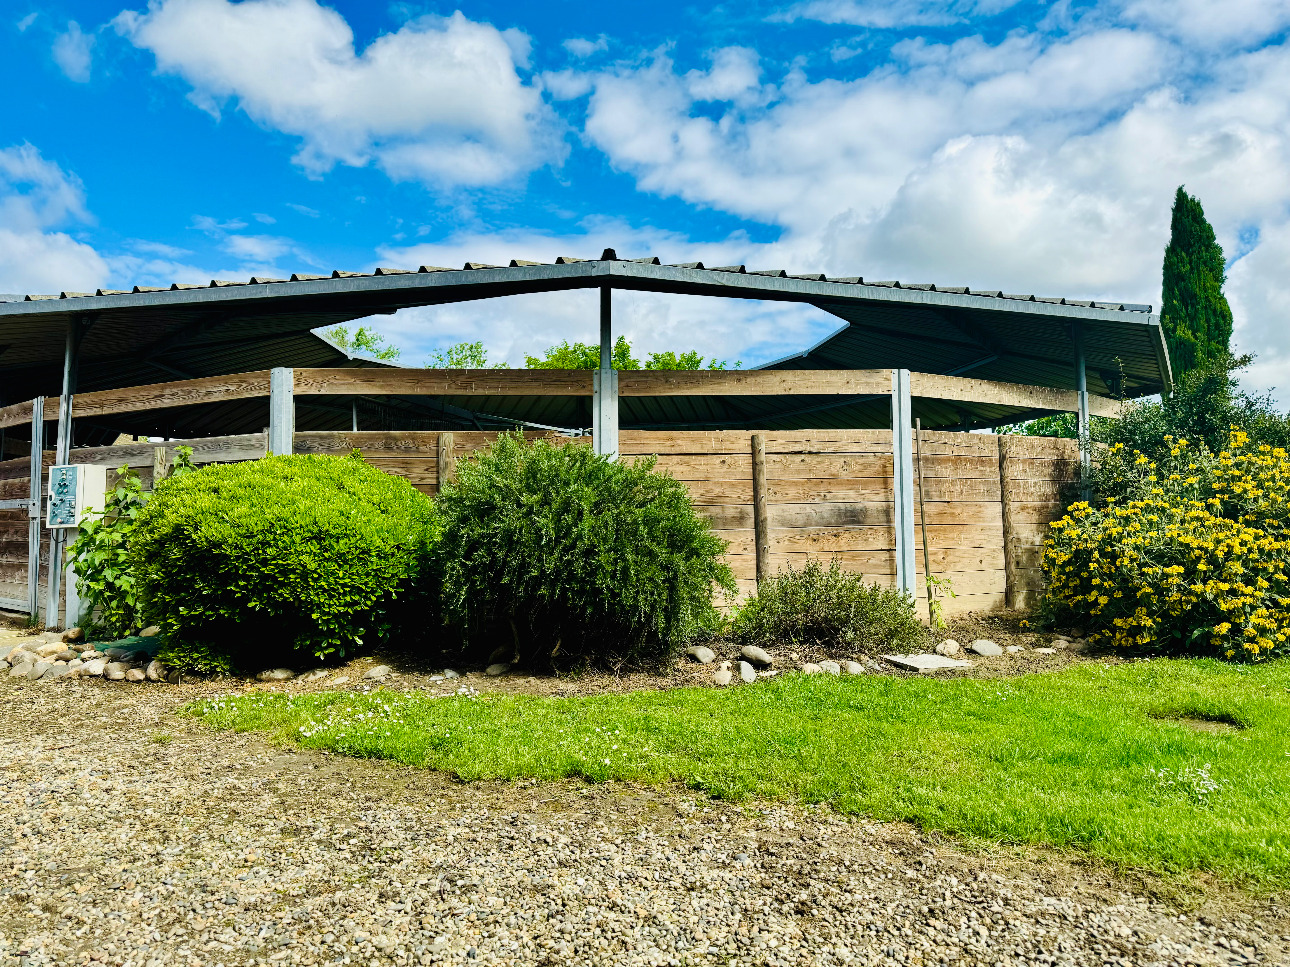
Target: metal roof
[149, 334]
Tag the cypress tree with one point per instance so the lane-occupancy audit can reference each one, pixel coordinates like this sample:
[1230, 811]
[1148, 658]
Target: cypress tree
[1195, 317]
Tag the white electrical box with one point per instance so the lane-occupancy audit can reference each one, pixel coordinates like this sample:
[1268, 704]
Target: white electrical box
[74, 490]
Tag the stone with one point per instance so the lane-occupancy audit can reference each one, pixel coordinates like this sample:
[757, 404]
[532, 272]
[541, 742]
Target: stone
[95, 666]
[174, 676]
[67, 671]
[704, 656]
[114, 671]
[1014, 649]
[73, 634]
[949, 648]
[985, 648]
[66, 655]
[378, 673]
[497, 670]
[314, 675]
[89, 654]
[926, 664]
[1079, 644]
[150, 632]
[830, 667]
[1045, 651]
[746, 672]
[1076, 633]
[20, 670]
[758, 656]
[338, 680]
[1059, 644]
[4, 665]
[76, 663]
[155, 671]
[5, 649]
[50, 673]
[38, 670]
[853, 668]
[49, 649]
[810, 668]
[136, 675]
[503, 655]
[723, 676]
[275, 675]
[449, 673]
[116, 652]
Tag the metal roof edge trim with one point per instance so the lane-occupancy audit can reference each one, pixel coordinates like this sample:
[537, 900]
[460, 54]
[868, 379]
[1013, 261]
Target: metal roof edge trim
[1162, 352]
[592, 273]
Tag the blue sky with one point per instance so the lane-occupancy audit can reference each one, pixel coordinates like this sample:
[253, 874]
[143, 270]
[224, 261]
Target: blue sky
[1027, 146]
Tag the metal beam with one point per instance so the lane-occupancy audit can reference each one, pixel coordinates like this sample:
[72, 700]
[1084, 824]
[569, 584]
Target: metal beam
[1082, 424]
[282, 411]
[77, 326]
[33, 511]
[604, 387]
[903, 480]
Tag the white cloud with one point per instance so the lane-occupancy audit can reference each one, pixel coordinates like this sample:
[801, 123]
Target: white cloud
[885, 14]
[1036, 164]
[73, 51]
[440, 100]
[27, 21]
[1211, 23]
[36, 198]
[582, 48]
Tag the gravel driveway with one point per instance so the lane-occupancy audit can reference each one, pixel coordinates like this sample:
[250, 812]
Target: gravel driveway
[131, 836]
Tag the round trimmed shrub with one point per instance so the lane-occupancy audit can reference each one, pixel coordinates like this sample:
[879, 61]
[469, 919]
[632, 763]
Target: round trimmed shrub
[568, 559]
[245, 564]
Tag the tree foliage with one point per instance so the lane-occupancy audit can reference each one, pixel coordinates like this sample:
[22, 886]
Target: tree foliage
[365, 341]
[1195, 316]
[581, 355]
[462, 355]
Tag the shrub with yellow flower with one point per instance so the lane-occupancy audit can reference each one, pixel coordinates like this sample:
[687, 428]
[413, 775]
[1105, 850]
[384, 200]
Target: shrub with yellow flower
[1192, 559]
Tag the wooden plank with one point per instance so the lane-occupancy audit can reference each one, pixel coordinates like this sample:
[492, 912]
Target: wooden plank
[158, 396]
[370, 442]
[443, 382]
[1038, 511]
[761, 520]
[447, 462]
[755, 382]
[829, 466]
[1027, 447]
[15, 414]
[1030, 491]
[967, 390]
[218, 449]
[972, 538]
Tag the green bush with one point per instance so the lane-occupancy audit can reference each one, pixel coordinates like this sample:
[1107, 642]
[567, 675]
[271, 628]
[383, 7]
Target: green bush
[250, 563]
[573, 560]
[818, 608]
[100, 555]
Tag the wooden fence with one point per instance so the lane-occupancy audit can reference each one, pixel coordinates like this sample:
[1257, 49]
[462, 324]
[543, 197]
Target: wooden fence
[826, 494]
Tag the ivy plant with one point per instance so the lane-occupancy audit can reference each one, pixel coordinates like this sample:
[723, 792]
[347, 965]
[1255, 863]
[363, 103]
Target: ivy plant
[110, 601]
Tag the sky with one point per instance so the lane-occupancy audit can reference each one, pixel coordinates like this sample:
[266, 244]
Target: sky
[999, 144]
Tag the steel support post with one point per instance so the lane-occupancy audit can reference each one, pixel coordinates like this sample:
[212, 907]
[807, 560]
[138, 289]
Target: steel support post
[902, 413]
[1082, 426]
[604, 386]
[282, 410]
[62, 454]
[33, 511]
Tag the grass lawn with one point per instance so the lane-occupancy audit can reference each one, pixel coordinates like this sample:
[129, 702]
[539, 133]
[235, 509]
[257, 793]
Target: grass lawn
[1094, 758]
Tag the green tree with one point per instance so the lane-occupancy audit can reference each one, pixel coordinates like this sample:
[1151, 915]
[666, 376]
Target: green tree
[365, 341]
[1195, 316]
[462, 355]
[580, 355]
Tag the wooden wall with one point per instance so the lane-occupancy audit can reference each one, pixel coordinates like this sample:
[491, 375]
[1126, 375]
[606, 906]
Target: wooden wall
[988, 499]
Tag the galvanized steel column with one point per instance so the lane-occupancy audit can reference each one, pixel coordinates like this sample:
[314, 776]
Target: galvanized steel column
[33, 511]
[604, 385]
[902, 414]
[62, 454]
[1082, 426]
[282, 410]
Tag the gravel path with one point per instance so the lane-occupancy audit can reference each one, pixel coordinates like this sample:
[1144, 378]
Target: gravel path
[131, 836]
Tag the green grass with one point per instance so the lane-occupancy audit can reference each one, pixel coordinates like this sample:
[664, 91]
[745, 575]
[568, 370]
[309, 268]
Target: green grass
[1092, 758]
